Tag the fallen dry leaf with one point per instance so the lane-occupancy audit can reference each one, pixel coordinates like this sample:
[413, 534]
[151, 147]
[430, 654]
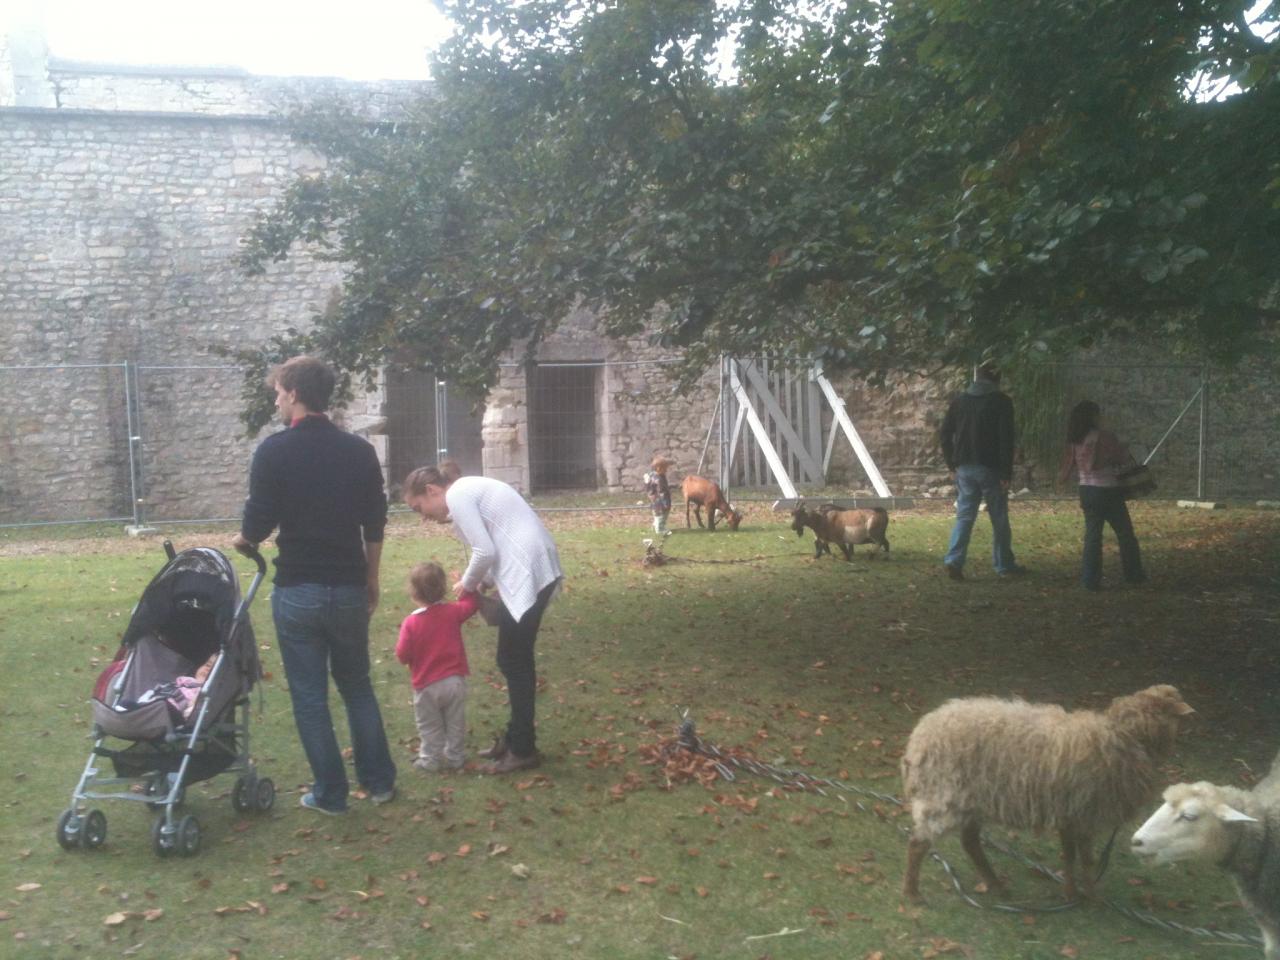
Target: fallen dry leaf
[115, 919]
[27, 887]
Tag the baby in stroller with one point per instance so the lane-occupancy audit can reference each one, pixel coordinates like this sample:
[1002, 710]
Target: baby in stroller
[180, 693]
[172, 709]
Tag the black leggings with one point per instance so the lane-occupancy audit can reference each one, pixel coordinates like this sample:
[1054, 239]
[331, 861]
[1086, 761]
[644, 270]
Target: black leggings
[516, 639]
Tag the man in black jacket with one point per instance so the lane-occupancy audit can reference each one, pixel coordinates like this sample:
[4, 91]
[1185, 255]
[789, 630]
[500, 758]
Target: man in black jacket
[323, 488]
[977, 443]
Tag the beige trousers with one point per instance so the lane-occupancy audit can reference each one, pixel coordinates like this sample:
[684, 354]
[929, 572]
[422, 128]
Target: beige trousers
[440, 711]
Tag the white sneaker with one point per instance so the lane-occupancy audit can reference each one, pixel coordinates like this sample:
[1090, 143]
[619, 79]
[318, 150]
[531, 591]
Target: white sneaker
[427, 765]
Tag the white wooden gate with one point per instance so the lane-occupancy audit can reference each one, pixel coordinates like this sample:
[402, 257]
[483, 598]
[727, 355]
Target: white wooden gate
[771, 425]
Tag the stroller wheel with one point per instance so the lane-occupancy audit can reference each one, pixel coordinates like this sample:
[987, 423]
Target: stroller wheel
[244, 793]
[162, 841]
[69, 828]
[265, 798]
[188, 836]
[93, 831]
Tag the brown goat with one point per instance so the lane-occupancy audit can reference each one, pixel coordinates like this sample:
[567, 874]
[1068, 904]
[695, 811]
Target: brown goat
[700, 492]
[841, 527]
[1033, 766]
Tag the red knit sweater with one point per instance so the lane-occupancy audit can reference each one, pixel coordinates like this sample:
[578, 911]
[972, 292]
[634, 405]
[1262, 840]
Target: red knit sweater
[430, 641]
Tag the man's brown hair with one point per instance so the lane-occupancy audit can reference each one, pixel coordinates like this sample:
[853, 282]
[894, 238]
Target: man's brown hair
[313, 380]
[426, 580]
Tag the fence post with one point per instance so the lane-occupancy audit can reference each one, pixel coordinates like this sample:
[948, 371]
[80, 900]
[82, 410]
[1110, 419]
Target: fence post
[1204, 432]
[133, 417]
[442, 420]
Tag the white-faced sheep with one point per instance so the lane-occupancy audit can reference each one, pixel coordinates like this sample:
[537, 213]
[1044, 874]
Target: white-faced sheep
[1034, 767]
[1237, 830]
[844, 528]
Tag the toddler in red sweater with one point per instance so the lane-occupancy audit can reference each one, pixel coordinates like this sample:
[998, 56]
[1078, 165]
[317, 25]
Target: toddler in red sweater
[430, 645]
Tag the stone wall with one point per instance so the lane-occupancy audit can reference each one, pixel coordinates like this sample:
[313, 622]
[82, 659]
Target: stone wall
[124, 193]
[1142, 391]
[638, 414]
[123, 197]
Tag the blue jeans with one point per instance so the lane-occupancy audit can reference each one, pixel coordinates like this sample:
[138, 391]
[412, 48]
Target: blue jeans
[319, 629]
[1103, 505]
[975, 484]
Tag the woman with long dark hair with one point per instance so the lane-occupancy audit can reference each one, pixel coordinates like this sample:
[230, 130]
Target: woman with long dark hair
[1095, 454]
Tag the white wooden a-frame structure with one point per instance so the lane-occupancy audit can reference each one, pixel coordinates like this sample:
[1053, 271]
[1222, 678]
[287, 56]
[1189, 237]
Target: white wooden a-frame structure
[780, 404]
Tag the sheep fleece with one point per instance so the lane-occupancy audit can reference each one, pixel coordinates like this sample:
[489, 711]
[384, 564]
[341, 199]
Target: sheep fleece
[1030, 766]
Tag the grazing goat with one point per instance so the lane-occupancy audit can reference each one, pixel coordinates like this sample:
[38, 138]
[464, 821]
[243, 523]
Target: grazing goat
[1237, 830]
[700, 492]
[844, 528]
[1034, 767]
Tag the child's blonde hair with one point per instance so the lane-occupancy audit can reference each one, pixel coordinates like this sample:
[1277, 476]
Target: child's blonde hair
[426, 582]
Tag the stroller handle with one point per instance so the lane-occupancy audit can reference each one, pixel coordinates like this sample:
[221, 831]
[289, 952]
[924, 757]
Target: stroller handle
[246, 549]
[253, 554]
[256, 556]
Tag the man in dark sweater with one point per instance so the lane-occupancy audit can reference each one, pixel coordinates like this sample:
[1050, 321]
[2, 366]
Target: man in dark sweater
[323, 488]
[977, 443]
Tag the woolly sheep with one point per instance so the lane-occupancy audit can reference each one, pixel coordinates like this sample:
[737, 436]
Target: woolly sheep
[1237, 830]
[1035, 767]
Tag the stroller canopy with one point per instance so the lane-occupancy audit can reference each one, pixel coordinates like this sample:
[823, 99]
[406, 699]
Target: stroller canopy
[191, 605]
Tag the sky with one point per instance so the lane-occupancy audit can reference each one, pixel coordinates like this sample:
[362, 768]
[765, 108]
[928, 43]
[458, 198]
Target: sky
[361, 40]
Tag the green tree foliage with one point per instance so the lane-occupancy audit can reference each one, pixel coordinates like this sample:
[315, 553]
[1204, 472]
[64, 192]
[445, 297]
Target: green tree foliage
[886, 186]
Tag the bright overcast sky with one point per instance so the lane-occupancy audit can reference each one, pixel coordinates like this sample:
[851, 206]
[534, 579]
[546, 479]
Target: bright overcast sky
[358, 39]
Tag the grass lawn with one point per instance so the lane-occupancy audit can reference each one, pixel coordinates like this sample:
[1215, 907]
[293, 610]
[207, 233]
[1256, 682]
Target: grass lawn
[823, 665]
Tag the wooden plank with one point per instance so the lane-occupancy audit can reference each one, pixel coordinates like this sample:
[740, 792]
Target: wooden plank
[785, 429]
[846, 503]
[860, 448]
[762, 436]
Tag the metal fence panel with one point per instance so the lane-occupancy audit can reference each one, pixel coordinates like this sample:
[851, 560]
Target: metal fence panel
[562, 427]
[64, 449]
[153, 443]
[427, 421]
[1203, 439]
[191, 463]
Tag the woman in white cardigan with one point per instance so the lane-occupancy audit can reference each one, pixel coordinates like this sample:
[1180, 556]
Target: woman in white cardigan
[511, 549]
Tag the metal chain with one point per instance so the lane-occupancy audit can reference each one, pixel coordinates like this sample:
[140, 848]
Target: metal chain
[656, 556]
[687, 737]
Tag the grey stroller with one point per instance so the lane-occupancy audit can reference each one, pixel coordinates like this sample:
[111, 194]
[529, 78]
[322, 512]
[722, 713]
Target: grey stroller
[160, 729]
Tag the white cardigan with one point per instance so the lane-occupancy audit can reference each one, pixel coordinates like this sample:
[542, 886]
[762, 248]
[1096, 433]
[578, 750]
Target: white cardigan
[509, 545]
